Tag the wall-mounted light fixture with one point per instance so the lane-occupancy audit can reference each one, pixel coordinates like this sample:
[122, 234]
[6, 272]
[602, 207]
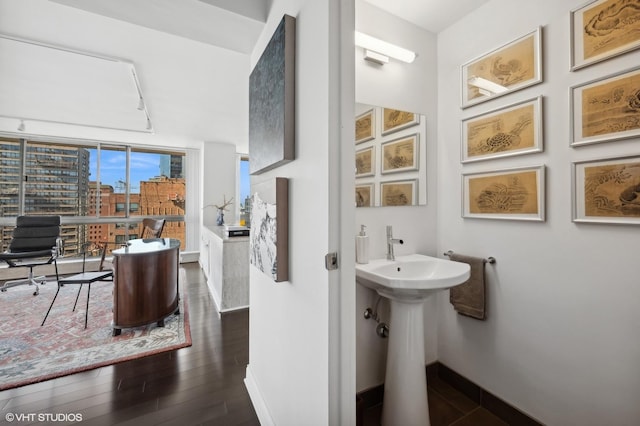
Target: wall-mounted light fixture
[21, 126]
[379, 51]
[485, 87]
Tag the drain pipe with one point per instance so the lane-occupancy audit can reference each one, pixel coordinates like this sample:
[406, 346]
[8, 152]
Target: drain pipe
[382, 329]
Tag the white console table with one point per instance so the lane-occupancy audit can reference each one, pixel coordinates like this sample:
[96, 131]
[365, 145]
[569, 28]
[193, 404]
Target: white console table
[225, 262]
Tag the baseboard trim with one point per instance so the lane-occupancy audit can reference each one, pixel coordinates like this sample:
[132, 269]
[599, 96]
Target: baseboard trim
[504, 411]
[264, 417]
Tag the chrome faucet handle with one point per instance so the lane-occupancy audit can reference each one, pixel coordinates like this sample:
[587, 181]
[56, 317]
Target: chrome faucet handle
[390, 242]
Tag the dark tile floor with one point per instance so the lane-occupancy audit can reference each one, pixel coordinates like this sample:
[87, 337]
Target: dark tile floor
[447, 406]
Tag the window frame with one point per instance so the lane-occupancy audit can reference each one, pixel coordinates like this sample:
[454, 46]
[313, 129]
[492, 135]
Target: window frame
[96, 218]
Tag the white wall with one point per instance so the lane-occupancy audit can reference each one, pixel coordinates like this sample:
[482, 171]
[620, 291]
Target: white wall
[218, 181]
[560, 341]
[289, 370]
[410, 87]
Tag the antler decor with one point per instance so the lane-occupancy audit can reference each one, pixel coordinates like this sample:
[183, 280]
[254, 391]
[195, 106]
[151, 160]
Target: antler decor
[226, 203]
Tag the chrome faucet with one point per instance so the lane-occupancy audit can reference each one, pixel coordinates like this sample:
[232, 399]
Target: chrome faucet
[390, 242]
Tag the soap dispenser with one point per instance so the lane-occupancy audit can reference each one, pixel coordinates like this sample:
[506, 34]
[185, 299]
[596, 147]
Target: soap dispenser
[362, 246]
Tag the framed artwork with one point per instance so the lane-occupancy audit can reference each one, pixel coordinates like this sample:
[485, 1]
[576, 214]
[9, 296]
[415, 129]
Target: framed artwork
[269, 240]
[394, 120]
[607, 190]
[272, 101]
[606, 109]
[602, 29]
[364, 195]
[365, 162]
[399, 193]
[512, 194]
[400, 155]
[365, 127]
[511, 130]
[511, 67]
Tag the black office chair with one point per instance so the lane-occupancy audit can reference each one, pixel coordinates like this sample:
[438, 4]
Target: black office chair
[35, 242]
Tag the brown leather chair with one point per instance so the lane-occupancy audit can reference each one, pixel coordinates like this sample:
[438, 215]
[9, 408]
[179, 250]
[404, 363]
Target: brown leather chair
[152, 228]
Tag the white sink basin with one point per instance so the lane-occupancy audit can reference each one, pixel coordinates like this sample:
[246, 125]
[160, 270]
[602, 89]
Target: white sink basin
[406, 282]
[413, 276]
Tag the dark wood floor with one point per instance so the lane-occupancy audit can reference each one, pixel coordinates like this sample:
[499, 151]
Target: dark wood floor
[199, 385]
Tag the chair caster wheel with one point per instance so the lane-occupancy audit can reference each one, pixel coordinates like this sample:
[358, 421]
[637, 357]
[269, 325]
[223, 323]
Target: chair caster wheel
[116, 332]
[160, 323]
[3, 290]
[35, 293]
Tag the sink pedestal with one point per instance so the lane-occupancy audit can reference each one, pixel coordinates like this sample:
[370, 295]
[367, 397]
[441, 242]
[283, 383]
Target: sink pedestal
[407, 281]
[405, 386]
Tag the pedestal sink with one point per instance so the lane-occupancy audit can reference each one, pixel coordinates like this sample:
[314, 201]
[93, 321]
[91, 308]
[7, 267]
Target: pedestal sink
[407, 281]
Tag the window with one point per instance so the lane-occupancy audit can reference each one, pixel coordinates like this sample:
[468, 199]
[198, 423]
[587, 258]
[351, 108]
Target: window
[244, 183]
[91, 182]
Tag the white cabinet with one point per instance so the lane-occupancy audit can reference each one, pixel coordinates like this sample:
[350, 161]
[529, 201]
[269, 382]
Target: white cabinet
[225, 262]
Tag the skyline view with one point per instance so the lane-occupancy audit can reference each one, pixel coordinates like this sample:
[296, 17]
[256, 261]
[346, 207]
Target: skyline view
[143, 166]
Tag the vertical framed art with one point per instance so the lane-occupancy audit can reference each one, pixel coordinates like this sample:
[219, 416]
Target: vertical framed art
[269, 240]
[511, 67]
[602, 29]
[365, 126]
[365, 162]
[272, 101]
[365, 195]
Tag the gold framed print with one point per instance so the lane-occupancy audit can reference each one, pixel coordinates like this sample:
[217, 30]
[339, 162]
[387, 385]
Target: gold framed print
[607, 190]
[365, 126]
[365, 162]
[511, 67]
[399, 193]
[606, 109]
[602, 29]
[365, 195]
[511, 130]
[510, 194]
[395, 119]
[400, 155]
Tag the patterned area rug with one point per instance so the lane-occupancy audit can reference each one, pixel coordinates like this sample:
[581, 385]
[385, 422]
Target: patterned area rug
[30, 353]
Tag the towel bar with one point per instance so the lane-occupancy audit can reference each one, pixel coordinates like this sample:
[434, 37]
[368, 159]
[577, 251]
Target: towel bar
[489, 259]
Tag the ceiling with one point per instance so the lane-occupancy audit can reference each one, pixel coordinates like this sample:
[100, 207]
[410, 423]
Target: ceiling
[431, 15]
[230, 24]
[236, 25]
